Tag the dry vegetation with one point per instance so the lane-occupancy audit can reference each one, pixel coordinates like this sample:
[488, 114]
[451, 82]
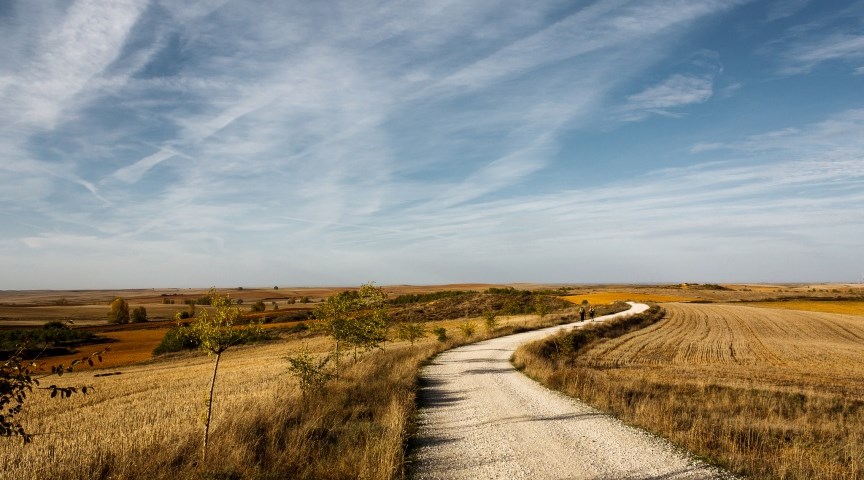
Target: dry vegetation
[146, 421]
[767, 393]
[785, 371]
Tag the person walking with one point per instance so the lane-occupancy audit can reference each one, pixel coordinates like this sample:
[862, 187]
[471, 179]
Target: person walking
[581, 314]
[591, 312]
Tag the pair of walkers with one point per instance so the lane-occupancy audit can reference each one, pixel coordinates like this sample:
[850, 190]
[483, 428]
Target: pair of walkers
[582, 313]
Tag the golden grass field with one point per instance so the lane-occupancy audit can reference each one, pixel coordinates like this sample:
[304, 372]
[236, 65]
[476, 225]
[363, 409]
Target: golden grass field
[844, 307]
[146, 421]
[602, 298]
[714, 378]
[765, 392]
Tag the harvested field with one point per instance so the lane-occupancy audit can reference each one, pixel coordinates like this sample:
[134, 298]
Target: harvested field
[764, 392]
[843, 307]
[777, 348]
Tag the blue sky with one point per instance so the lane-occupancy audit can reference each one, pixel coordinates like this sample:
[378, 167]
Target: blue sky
[196, 143]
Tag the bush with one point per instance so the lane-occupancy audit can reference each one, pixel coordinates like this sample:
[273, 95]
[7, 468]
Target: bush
[175, 340]
[55, 324]
[441, 333]
[139, 315]
[467, 328]
[258, 306]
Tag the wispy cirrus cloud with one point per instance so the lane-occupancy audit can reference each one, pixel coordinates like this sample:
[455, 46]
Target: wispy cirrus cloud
[319, 141]
[806, 55]
[663, 98]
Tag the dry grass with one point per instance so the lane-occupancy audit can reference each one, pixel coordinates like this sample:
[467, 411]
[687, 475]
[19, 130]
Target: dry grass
[146, 422]
[844, 307]
[766, 393]
[601, 298]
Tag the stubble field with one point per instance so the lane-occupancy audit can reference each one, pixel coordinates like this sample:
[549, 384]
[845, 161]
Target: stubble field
[769, 393]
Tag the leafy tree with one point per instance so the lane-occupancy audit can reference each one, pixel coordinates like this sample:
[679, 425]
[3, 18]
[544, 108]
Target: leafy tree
[215, 334]
[411, 331]
[357, 318]
[119, 311]
[490, 318]
[139, 315]
[258, 306]
[17, 381]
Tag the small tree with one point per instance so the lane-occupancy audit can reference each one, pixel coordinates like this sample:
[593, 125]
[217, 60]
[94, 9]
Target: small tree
[258, 306]
[312, 373]
[358, 318]
[490, 319]
[119, 311]
[411, 331]
[215, 334]
[139, 315]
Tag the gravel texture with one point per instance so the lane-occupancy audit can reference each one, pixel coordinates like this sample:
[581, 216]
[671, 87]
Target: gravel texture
[482, 419]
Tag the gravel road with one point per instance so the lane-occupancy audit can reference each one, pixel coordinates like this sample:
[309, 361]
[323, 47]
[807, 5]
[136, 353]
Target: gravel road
[482, 419]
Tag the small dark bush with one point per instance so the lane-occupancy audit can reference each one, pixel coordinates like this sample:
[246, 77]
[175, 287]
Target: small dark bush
[174, 341]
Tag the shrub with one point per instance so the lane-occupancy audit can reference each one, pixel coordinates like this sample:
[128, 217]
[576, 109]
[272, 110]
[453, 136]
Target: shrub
[139, 315]
[312, 373]
[467, 328]
[490, 318]
[119, 311]
[175, 340]
[441, 333]
[258, 306]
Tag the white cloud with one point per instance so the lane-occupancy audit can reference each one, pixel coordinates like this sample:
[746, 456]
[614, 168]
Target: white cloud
[71, 53]
[661, 99]
[805, 55]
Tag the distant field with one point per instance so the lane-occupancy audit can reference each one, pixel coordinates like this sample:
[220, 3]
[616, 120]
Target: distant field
[599, 298]
[844, 307]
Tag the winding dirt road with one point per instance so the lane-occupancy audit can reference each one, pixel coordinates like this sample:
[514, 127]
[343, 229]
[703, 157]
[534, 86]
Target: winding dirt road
[482, 419]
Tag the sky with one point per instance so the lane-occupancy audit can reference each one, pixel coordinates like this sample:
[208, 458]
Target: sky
[179, 143]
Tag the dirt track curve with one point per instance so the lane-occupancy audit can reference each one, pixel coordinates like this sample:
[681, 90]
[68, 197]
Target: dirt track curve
[482, 419]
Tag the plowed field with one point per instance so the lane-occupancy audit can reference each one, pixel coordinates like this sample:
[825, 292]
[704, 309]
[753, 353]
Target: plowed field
[777, 347]
[766, 393]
